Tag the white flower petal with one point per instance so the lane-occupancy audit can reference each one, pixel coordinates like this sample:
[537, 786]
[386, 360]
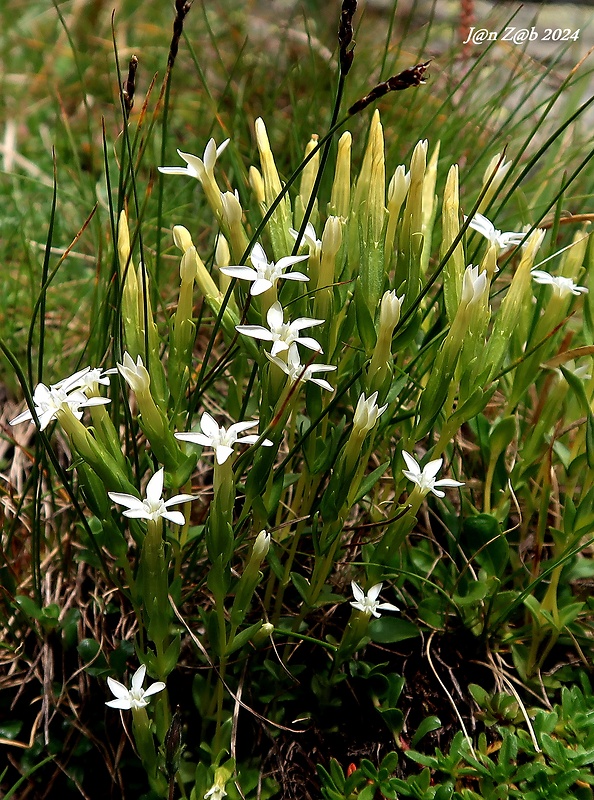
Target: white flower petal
[126, 500]
[209, 425]
[222, 453]
[117, 689]
[174, 516]
[154, 488]
[255, 331]
[247, 273]
[259, 286]
[138, 678]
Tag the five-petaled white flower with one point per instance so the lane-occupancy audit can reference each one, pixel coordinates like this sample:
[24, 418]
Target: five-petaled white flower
[367, 603]
[49, 400]
[503, 241]
[283, 335]
[153, 507]
[264, 274]
[201, 168]
[222, 440]
[135, 697]
[561, 286]
[425, 478]
[298, 372]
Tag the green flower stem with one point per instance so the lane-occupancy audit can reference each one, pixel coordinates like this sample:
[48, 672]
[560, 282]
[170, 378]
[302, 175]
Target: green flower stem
[95, 455]
[354, 633]
[219, 536]
[145, 744]
[154, 588]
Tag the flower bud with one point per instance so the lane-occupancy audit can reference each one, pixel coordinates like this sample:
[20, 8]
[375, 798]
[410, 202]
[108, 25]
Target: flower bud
[308, 176]
[257, 184]
[366, 414]
[232, 211]
[496, 171]
[340, 200]
[188, 267]
[135, 375]
[182, 238]
[260, 548]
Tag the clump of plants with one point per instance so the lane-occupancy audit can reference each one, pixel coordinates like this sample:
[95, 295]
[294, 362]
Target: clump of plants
[311, 495]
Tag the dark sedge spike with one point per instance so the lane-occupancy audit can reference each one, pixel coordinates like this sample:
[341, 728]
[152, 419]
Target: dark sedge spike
[345, 35]
[415, 76]
[182, 8]
[129, 86]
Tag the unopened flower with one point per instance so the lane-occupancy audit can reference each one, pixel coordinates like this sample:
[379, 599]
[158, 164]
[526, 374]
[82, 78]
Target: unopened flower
[48, 400]
[425, 478]
[367, 413]
[263, 273]
[135, 697]
[298, 372]
[135, 375]
[561, 286]
[221, 439]
[283, 335]
[367, 603]
[390, 308]
[153, 507]
[503, 241]
[474, 285]
[200, 168]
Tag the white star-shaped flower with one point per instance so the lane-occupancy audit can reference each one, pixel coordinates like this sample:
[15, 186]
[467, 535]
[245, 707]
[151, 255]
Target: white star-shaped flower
[297, 372]
[425, 478]
[263, 273]
[85, 379]
[222, 440]
[367, 603]
[561, 286]
[503, 241]
[200, 168]
[48, 400]
[153, 507]
[283, 335]
[135, 697]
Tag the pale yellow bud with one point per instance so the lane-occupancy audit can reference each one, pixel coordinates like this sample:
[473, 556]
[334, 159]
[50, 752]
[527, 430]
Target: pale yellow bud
[397, 189]
[222, 254]
[332, 237]
[390, 311]
[232, 211]
[310, 171]
[272, 182]
[188, 266]
[182, 238]
[340, 200]
[257, 184]
[497, 171]
[123, 240]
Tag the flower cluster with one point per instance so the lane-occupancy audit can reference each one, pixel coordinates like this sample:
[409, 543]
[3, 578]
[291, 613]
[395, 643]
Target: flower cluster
[70, 395]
